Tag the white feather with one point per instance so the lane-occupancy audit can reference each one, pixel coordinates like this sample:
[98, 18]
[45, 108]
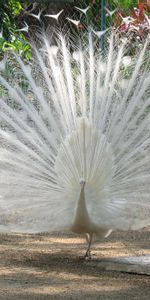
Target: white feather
[79, 159]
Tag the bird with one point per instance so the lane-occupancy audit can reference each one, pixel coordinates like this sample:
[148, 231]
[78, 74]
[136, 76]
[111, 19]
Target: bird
[83, 10]
[55, 16]
[79, 159]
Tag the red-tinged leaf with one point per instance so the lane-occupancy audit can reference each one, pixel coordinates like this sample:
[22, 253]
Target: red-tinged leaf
[141, 11]
[133, 14]
[118, 19]
[124, 27]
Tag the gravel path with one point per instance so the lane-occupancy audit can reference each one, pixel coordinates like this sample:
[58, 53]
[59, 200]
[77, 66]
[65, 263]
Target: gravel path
[49, 266]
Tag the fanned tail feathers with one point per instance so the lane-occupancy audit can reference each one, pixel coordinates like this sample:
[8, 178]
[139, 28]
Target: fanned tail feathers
[79, 120]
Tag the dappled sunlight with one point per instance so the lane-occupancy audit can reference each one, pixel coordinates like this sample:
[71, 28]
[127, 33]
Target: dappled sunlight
[52, 266]
[53, 289]
[53, 282]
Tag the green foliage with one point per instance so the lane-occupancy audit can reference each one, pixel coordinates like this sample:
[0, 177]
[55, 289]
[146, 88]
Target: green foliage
[18, 44]
[124, 4]
[9, 10]
[15, 7]
[10, 38]
[51, 1]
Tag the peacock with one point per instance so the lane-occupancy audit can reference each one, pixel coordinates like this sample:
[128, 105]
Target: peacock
[75, 140]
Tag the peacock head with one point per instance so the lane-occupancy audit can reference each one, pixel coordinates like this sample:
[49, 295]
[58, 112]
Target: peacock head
[82, 183]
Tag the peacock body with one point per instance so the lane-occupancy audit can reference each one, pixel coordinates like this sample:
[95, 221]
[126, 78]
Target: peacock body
[75, 147]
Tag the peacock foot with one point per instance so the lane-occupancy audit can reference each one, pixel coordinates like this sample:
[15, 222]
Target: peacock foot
[88, 255]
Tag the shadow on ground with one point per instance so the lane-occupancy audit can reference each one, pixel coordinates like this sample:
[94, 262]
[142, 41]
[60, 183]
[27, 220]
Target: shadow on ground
[50, 266]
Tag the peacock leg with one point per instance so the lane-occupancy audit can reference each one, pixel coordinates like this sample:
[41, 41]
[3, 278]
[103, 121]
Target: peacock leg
[88, 251]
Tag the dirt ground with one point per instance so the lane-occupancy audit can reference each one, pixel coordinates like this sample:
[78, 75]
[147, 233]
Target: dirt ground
[49, 266]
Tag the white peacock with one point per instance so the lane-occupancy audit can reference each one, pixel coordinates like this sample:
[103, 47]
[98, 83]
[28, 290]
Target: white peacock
[74, 151]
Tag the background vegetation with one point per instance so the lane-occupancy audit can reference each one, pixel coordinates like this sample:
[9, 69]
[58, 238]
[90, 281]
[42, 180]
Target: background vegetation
[14, 15]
